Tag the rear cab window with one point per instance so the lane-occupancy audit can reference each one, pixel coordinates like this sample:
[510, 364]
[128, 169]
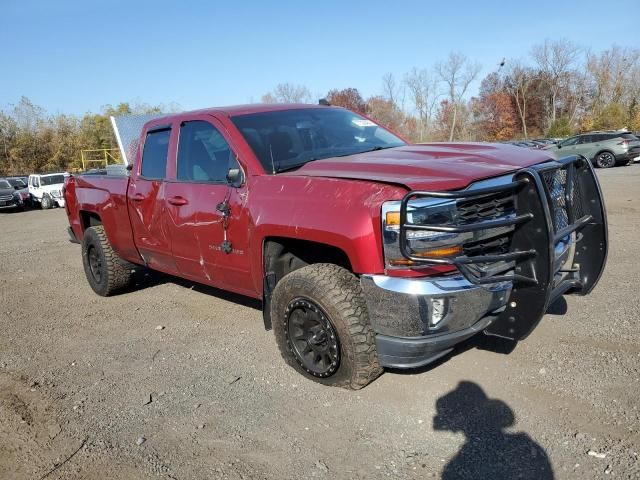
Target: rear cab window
[154, 154]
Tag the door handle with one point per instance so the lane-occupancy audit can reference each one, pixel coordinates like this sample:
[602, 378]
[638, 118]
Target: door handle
[138, 197]
[178, 201]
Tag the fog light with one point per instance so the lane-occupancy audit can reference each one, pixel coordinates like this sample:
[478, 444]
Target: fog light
[438, 311]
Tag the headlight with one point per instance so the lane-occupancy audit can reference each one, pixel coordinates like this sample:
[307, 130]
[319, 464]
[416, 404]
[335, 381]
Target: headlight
[435, 211]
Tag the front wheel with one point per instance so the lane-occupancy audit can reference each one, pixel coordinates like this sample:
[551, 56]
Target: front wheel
[105, 271]
[322, 328]
[46, 203]
[605, 160]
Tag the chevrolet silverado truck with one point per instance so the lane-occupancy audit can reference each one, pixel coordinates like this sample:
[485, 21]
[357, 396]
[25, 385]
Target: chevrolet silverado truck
[367, 252]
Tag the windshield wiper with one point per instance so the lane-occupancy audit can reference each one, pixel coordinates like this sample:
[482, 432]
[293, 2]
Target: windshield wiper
[294, 166]
[376, 148]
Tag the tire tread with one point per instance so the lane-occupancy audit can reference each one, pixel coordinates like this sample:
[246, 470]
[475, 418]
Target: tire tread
[341, 288]
[118, 272]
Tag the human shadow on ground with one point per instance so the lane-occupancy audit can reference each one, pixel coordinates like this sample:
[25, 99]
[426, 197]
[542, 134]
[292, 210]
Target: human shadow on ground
[489, 451]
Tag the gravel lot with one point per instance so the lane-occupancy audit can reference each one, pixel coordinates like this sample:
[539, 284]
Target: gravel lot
[179, 381]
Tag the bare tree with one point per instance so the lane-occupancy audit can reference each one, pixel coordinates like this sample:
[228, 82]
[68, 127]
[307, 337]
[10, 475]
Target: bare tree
[422, 88]
[518, 82]
[457, 72]
[390, 88]
[556, 60]
[614, 76]
[287, 93]
[576, 94]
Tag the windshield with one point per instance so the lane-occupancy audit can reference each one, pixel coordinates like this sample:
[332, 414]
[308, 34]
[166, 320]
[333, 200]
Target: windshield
[16, 182]
[5, 184]
[51, 180]
[287, 139]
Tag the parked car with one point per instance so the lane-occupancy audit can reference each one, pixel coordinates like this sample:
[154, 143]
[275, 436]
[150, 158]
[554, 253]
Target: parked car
[10, 198]
[367, 252]
[21, 188]
[604, 149]
[545, 141]
[46, 189]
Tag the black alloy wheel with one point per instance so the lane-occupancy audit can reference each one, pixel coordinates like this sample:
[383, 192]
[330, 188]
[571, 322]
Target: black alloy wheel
[95, 264]
[312, 338]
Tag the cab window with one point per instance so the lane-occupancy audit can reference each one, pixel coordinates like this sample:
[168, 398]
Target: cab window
[154, 154]
[203, 154]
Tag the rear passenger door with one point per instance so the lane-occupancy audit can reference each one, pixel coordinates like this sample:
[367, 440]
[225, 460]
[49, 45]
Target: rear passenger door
[146, 200]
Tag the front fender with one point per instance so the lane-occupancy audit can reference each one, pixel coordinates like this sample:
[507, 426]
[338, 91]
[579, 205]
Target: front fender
[341, 213]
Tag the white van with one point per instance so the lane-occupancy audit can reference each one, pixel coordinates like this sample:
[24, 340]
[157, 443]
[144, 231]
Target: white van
[47, 189]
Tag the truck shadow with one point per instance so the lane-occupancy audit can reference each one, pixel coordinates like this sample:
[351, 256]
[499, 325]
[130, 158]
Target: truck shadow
[481, 341]
[489, 451]
[149, 278]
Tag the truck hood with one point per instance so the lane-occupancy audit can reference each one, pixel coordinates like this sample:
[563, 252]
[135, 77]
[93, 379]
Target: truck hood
[52, 188]
[437, 166]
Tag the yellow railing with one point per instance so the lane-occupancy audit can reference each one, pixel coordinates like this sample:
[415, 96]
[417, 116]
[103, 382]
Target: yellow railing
[101, 156]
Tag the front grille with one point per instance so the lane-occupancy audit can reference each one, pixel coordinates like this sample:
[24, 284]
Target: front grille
[478, 210]
[485, 208]
[6, 198]
[501, 222]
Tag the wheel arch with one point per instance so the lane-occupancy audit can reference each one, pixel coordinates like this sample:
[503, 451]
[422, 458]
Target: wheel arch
[283, 255]
[89, 219]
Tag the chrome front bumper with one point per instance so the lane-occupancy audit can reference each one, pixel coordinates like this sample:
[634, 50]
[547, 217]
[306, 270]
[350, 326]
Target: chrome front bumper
[417, 320]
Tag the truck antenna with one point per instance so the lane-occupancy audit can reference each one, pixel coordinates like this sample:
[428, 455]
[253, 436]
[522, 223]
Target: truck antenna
[273, 166]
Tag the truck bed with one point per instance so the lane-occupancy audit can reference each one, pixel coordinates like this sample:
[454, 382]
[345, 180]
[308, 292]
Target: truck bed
[104, 196]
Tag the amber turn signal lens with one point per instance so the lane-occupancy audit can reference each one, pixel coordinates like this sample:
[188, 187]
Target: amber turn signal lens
[435, 253]
[440, 252]
[401, 262]
[392, 219]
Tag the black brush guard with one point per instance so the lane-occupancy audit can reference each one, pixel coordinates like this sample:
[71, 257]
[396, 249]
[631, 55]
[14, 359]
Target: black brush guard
[554, 201]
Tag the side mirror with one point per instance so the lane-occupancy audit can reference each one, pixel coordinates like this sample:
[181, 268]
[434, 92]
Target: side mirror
[235, 177]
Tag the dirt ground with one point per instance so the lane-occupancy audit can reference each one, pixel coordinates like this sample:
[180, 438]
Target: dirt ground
[93, 388]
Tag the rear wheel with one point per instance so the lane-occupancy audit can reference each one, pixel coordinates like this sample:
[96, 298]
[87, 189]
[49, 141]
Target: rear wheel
[322, 327]
[105, 271]
[605, 160]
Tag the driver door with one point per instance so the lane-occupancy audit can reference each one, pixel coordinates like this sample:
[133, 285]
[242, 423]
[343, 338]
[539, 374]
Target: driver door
[195, 202]
[570, 146]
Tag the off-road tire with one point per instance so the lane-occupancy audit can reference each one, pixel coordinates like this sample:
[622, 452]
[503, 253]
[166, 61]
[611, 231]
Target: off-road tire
[116, 274]
[46, 202]
[604, 160]
[338, 294]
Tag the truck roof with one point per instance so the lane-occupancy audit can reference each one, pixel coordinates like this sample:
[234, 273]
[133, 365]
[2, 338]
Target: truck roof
[235, 110]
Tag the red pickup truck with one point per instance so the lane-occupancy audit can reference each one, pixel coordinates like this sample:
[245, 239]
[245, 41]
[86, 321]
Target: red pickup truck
[366, 251]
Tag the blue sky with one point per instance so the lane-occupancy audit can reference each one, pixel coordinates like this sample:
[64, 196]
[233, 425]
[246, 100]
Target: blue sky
[75, 56]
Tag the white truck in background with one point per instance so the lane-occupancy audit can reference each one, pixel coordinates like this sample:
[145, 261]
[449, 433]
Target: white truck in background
[46, 189]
